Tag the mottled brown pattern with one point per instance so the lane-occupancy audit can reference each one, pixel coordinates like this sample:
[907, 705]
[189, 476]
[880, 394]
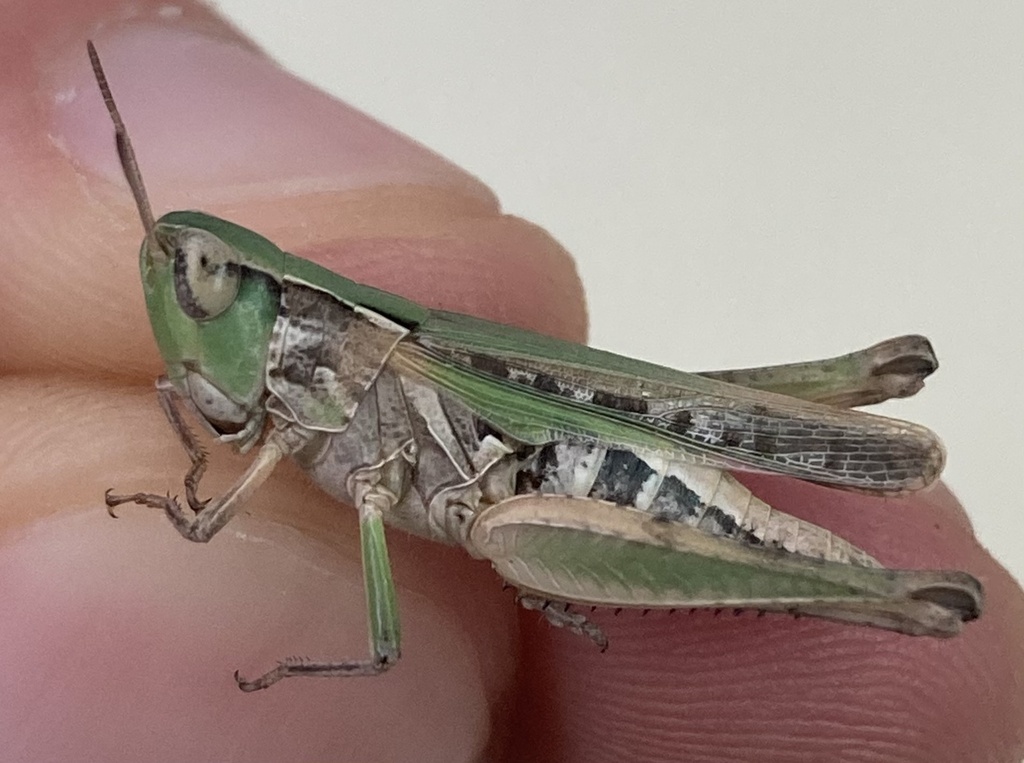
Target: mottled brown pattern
[325, 355]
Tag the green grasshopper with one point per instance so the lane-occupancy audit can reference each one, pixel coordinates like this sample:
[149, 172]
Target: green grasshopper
[584, 477]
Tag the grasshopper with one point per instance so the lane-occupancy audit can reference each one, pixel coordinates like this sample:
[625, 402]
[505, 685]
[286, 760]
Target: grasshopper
[584, 477]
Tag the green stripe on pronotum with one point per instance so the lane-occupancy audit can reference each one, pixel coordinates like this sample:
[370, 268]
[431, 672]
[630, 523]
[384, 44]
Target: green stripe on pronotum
[584, 477]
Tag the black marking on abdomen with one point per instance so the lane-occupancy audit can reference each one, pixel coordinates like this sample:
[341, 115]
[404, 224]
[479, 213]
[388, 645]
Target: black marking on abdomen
[675, 501]
[538, 471]
[721, 523]
[621, 478]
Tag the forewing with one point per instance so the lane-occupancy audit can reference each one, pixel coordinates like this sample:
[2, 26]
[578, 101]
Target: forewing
[537, 387]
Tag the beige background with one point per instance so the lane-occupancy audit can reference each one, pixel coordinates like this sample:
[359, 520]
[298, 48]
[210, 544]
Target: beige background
[740, 183]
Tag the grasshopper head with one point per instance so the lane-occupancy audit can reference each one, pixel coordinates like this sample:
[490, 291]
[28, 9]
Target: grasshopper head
[212, 299]
[212, 305]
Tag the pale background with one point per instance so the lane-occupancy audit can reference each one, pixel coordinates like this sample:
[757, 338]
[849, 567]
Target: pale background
[742, 183]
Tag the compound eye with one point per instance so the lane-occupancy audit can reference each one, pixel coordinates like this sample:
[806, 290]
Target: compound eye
[206, 274]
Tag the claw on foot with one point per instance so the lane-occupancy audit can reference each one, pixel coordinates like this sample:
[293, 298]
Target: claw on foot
[250, 686]
[111, 501]
[151, 500]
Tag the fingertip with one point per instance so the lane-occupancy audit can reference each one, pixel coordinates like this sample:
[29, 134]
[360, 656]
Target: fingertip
[123, 637]
[251, 142]
[501, 268]
[110, 623]
[240, 126]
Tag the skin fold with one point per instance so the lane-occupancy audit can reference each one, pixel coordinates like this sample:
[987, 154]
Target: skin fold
[119, 638]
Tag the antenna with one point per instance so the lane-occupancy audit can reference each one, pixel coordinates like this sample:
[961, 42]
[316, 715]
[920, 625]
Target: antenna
[124, 145]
